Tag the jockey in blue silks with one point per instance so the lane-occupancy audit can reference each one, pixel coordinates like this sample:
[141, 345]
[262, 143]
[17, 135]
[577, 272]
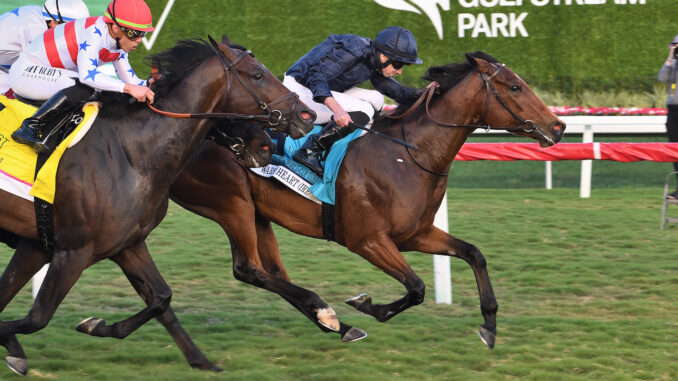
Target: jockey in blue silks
[326, 79]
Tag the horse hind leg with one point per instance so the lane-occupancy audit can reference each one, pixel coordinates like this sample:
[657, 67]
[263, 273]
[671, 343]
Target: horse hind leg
[383, 254]
[192, 354]
[256, 261]
[273, 277]
[307, 302]
[27, 260]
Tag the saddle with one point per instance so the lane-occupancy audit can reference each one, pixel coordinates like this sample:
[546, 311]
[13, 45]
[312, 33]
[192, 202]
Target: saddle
[62, 126]
[33, 176]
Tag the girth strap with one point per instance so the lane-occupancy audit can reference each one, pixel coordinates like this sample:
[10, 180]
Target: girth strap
[327, 218]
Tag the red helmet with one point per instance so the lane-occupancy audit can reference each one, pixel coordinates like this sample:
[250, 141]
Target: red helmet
[133, 14]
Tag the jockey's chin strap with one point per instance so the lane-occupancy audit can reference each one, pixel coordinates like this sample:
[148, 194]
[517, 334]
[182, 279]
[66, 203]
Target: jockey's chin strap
[273, 116]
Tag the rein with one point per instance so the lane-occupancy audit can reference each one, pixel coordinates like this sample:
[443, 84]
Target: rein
[273, 116]
[526, 126]
[489, 88]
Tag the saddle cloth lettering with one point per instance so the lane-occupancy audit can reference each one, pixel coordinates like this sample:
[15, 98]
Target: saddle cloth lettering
[17, 161]
[298, 178]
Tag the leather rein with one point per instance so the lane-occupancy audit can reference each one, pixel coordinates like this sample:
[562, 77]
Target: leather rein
[273, 116]
[526, 126]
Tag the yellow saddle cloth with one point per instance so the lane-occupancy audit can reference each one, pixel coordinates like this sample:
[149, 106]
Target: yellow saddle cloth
[17, 161]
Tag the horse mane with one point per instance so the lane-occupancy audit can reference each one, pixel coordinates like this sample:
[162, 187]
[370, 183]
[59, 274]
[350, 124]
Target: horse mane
[448, 76]
[173, 65]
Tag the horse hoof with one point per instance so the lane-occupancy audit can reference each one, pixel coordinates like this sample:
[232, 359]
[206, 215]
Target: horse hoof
[353, 334]
[18, 365]
[216, 369]
[89, 325]
[328, 318]
[487, 336]
[356, 301]
[206, 366]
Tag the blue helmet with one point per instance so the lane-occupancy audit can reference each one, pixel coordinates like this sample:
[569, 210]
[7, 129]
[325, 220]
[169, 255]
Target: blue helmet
[398, 44]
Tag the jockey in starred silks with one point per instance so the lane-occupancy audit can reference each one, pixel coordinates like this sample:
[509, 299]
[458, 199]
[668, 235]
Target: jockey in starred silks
[62, 66]
[326, 80]
[18, 28]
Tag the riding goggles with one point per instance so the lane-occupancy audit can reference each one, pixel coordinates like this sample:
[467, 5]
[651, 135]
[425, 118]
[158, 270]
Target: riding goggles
[133, 34]
[398, 64]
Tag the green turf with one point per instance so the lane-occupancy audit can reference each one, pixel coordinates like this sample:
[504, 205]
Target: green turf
[585, 291]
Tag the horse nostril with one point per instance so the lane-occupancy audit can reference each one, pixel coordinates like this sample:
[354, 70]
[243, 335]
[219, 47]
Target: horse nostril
[305, 115]
[265, 147]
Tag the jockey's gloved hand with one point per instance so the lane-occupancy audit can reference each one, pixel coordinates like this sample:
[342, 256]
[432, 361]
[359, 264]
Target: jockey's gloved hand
[433, 84]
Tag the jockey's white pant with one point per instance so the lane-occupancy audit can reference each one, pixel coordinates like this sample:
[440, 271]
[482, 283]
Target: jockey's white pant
[353, 99]
[4, 82]
[32, 80]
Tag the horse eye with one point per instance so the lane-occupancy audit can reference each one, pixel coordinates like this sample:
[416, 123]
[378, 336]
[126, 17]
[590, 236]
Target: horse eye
[516, 88]
[258, 76]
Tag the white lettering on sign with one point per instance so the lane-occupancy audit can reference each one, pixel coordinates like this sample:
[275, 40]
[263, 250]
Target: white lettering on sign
[489, 3]
[498, 25]
[481, 24]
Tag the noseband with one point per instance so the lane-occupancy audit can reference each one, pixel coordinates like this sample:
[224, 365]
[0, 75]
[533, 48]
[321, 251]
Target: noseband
[273, 117]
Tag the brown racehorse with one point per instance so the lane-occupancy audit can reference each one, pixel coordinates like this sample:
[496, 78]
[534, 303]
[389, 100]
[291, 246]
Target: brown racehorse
[112, 188]
[386, 195]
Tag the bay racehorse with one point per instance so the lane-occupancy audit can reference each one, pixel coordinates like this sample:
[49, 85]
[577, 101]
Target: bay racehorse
[386, 194]
[112, 188]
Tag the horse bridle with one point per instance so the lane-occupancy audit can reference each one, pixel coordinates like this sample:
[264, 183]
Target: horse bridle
[527, 126]
[234, 144]
[230, 66]
[273, 116]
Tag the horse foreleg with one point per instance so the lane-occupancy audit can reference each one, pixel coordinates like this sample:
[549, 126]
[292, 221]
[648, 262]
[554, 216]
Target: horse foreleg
[381, 252]
[436, 241]
[26, 261]
[269, 254]
[140, 270]
[130, 267]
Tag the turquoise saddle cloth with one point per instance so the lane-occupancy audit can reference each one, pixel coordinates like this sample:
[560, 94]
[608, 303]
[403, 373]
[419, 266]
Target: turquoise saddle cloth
[322, 188]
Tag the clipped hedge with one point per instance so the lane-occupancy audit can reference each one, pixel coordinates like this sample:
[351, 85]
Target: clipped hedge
[570, 48]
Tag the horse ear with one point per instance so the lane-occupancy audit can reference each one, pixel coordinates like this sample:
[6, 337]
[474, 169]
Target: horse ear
[480, 64]
[471, 60]
[212, 41]
[225, 39]
[216, 45]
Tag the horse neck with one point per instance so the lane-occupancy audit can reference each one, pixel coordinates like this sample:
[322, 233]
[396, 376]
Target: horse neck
[170, 142]
[438, 145]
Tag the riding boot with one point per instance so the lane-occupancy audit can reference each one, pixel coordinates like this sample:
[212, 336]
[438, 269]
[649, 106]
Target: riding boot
[35, 128]
[310, 153]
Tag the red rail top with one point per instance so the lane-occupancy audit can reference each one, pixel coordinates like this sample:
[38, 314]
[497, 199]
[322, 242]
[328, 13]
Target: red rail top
[662, 152]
